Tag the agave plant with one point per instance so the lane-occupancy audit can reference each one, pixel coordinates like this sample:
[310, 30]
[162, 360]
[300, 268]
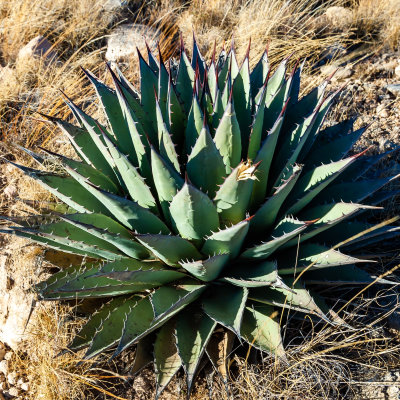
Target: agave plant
[204, 198]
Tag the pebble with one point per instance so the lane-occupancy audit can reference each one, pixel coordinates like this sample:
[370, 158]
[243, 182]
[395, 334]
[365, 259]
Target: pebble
[394, 89]
[339, 16]
[37, 47]
[12, 378]
[4, 367]
[382, 111]
[8, 355]
[25, 387]
[11, 393]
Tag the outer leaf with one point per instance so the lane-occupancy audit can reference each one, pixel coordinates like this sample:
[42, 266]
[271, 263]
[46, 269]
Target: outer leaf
[259, 74]
[193, 331]
[86, 334]
[110, 231]
[227, 313]
[193, 214]
[127, 212]
[312, 183]
[111, 329]
[307, 254]
[170, 249]
[144, 353]
[166, 358]
[261, 329]
[299, 300]
[136, 185]
[151, 315]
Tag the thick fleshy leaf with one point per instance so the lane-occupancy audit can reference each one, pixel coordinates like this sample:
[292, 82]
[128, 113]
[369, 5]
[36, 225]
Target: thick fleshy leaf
[115, 117]
[342, 275]
[170, 249]
[185, 80]
[66, 189]
[312, 183]
[233, 197]
[86, 334]
[259, 74]
[166, 146]
[205, 167]
[193, 214]
[228, 240]
[125, 211]
[207, 270]
[267, 213]
[228, 138]
[350, 191]
[316, 254]
[194, 124]
[299, 300]
[166, 358]
[144, 354]
[227, 313]
[260, 328]
[134, 182]
[150, 315]
[167, 182]
[193, 331]
[109, 230]
[265, 156]
[148, 81]
[242, 99]
[163, 82]
[111, 329]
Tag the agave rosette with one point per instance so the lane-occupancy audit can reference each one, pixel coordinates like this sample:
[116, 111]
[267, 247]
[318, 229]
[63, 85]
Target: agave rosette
[201, 197]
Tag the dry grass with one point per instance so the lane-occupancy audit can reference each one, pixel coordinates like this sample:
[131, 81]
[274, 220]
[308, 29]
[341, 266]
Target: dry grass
[77, 29]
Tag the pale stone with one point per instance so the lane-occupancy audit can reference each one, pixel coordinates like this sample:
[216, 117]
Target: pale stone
[382, 111]
[12, 378]
[124, 39]
[25, 387]
[8, 355]
[37, 47]
[4, 367]
[397, 71]
[11, 393]
[394, 89]
[339, 16]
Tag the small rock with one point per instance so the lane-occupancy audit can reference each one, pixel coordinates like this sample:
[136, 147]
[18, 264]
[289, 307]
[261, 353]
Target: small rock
[10, 191]
[11, 393]
[142, 384]
[8, 355]
[37, 47]
[397, 71]
[394, 89]
[125, 38]
[4, 367]
[382, 111]
[25, 387]
[12, 378]
[339, 16]
[389, 66]
[331, 52]
[112, 5]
